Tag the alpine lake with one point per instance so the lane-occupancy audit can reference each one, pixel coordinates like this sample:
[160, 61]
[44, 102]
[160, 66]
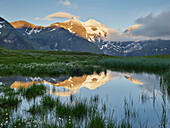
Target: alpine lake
[59, 89]
[110, 98]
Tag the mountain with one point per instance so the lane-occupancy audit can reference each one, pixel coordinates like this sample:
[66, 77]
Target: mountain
[135, 48]
[89, 36]
[21, 24]
[10, 38]
[26, 28]
[89, 30]
[54, 37]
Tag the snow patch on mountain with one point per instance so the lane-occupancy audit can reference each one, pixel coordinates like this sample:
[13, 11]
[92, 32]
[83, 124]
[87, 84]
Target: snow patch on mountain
[131, 47]
[95, 28]
[53, 29]
[121, 48]
[2, 24]
[37, 30]
[93, 23]
[33, 30]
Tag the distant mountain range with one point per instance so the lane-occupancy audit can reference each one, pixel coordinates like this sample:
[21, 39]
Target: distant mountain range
[23, 35]
[135, 48]
[89, 30]
[74, 35]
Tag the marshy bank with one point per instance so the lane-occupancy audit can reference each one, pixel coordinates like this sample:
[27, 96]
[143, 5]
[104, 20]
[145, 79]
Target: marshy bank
[72, 89]
[48, 63]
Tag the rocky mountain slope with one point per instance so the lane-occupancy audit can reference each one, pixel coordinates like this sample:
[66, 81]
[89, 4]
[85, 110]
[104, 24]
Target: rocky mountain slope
[57, 38]
[136, 48]
[10, 38]
[89, 30]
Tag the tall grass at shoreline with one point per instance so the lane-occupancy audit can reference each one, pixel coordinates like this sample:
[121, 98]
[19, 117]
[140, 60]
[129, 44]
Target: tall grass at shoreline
[158, 65]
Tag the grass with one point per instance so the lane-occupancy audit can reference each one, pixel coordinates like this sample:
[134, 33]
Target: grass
[34, 91]
[79, 110]
[128, 109]
[30, 62]
[48, 102]
[167, 80]
[97, 122]
[164, 119]
[52, 112]
[9, 91]
[36, 109]
[4, 116]
[56, 63]
[35, 56]
[142, 64]
[9, 102]
[71, 113]
[18, 123]
[158, 65]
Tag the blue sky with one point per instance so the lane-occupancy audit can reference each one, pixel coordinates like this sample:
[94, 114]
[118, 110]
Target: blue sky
[112, 13]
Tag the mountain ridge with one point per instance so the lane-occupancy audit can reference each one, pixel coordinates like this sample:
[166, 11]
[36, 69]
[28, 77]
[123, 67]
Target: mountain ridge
[71, 35]
[135, 48]
[22, 23]
[89, 30]
[55, 38]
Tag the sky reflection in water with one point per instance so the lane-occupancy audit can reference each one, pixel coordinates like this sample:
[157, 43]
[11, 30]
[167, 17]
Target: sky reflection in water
[143, 90]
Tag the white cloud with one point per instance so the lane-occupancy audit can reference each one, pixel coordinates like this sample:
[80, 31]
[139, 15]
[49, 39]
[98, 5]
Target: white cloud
[154, 25]
[151, 27]
[64, 2]
[114, 35]
[62, 15]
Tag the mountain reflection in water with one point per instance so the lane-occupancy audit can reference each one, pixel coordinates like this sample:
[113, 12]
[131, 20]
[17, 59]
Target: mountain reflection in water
[73, 84]
[141, 92]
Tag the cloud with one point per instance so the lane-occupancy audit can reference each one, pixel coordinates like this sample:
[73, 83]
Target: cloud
[154, 25]
[37, 18]
[64, 2]
[114, 35]
[62, 15]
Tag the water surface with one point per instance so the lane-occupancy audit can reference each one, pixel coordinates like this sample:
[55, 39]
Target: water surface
[142, 94]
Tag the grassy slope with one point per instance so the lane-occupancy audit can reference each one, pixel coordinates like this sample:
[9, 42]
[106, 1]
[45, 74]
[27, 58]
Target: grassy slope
[38, 56]
[29, 56]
